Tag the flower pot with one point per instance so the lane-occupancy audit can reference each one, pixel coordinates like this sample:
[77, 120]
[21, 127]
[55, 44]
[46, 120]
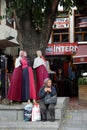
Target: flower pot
[82, 93]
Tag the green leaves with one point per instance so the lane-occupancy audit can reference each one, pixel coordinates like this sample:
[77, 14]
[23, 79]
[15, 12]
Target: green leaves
[67, 4]
[34, 7]
[82, 81]
[2, 17]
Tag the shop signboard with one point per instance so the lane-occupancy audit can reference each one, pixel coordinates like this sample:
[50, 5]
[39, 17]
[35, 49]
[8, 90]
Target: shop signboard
[61, 49]
[61, 23]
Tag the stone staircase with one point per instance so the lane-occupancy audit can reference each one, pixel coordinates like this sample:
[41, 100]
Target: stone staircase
[21, 125]
[11, 117]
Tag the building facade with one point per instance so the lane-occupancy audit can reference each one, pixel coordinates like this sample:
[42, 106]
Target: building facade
[8, 32]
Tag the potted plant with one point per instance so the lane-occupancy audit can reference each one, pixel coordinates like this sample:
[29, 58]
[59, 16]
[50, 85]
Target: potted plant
[82, 84]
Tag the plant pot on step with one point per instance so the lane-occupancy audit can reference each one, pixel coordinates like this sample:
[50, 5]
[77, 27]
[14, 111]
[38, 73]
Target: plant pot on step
[82, 94]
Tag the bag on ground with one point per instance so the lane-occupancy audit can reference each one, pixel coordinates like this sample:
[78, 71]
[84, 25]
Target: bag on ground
[36, 116]
[28, 112]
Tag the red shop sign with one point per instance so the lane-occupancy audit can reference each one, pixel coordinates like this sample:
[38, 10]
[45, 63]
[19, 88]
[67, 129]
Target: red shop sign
[61, 49]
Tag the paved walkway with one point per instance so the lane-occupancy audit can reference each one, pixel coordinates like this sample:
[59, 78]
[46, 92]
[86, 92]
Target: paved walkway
[75, 117]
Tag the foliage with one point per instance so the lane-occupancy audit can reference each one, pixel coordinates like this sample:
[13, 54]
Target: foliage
[67, 4]
[39, 9]
[82, 81]
[2, 17]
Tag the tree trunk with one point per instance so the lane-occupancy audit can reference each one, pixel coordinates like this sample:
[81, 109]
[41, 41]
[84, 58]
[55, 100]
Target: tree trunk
[31, 39]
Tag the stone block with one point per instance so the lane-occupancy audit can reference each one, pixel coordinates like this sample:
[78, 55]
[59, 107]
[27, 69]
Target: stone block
[61, 106]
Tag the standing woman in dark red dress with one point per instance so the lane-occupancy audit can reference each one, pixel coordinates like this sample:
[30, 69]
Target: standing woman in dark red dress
[15, 88]
[28, 85]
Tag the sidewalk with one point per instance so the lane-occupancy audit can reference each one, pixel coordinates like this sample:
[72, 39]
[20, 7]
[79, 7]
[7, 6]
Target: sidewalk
[75, 117]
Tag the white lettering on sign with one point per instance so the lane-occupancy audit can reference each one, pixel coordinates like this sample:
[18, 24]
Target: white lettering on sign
[65, 48]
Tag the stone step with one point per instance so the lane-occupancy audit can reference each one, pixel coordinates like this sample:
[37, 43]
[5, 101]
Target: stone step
[12, 118]
[15, 112]
[22, 125]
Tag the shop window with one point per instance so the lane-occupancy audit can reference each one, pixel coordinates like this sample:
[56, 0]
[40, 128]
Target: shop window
[56, 38]
[65, 38]
[60, 38]
[78, 37]
[80, 22]
[60, 32]
[85, 36]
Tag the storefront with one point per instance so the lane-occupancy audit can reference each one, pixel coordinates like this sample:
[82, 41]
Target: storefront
[60, 53]
[60, 58]
[80, 59]
[6, 66]
[81, 55]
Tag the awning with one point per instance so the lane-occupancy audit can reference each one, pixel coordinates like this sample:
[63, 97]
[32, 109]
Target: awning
[81, 54]
[7, 43]
[8, 37]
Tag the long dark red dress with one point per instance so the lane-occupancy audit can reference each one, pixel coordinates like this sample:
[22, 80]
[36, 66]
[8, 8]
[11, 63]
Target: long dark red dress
[41, 73]
[15, 88]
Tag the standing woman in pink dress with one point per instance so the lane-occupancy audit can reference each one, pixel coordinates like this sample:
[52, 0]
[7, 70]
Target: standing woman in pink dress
[41, 71]
[15, 88]
[28, 85]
